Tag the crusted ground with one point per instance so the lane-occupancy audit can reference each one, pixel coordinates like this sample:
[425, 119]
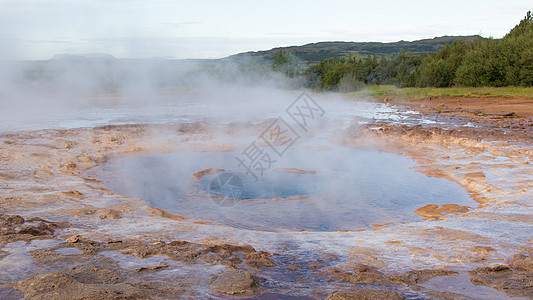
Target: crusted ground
[64, 235]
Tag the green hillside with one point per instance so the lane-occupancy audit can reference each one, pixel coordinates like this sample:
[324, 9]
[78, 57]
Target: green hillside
[313, 53]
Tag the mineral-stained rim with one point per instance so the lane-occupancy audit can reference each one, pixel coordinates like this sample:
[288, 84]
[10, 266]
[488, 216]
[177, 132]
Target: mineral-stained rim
[43, 173]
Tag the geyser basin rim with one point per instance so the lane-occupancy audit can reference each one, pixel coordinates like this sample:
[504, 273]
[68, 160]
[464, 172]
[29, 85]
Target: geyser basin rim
[351, 189]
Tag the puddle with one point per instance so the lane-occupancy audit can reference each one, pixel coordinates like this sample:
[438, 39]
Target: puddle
[9, 293]
[129, 262]
[19, 260]
[350, 189]
[68, 251]
[461, 284]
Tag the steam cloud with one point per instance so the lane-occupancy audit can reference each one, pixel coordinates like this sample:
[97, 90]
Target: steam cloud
[35, 91]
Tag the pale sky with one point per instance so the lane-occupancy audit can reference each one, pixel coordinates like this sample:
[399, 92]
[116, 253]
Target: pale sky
[39, 29]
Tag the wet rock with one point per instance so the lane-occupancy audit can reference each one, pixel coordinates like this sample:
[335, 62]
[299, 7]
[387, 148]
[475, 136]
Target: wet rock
[198, 175]
[447, 296]
[41, 229]
[43, 284]
[448, 234]
[102, 213]
[84, 244]
[475, 175]
[151, 269]
[224, 254]
[109, 213]
[10, 220]
[14, 228]
[234, 283]
[368, 294]
[93, 275]
[73, 194]
[514, 278]
[144, 251]
[154, 211]
[436, 212]
[44, 174]
[258, 259]
[63, 286]
[419, 276]
[293, 267]
[69, 166]
[252, 258]
[363, 274]
[481, 249]
[514, 284]
[522, 262]
[73, 239]
[490, 269]
[58, 257]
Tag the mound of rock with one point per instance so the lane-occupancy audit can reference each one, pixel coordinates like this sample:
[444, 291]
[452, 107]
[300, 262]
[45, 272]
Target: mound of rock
[234, 282]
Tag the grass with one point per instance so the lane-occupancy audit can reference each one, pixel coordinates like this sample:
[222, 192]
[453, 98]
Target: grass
[380, 92]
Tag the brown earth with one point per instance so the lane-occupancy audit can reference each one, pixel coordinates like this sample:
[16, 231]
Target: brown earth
[491, 106]
[513, 115]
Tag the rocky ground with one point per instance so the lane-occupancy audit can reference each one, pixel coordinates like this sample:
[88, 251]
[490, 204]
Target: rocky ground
[64, 236]
[508, 116]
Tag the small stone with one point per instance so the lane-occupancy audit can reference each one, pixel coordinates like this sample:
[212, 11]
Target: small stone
[73, 239]
[234, 282]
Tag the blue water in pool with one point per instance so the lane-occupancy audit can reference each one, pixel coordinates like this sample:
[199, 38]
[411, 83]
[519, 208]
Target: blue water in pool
[352, 189]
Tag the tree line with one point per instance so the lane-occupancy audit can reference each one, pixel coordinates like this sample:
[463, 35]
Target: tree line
[483, 62]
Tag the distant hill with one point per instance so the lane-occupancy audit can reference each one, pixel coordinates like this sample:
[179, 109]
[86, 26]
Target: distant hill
[82, 56]
[313, 53]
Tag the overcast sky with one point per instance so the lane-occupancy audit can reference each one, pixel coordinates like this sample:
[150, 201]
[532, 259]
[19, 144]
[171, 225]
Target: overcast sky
[38, 29]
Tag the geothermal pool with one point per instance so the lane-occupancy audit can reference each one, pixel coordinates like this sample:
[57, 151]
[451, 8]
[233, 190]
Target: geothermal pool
[359, 170]
[326, 188]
